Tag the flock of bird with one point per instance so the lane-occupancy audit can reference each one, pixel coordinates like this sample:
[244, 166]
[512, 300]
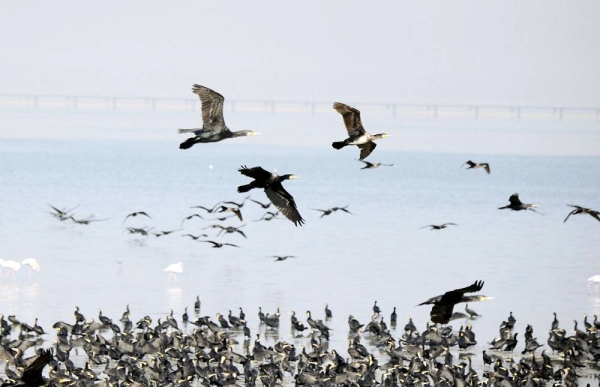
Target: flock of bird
[208, 353]
[200, 350]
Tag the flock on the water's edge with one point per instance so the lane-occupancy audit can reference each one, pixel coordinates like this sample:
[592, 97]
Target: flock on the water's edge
[197, 350]
[200, 351]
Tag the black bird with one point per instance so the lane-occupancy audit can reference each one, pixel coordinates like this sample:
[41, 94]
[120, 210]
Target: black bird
[471, 312]
[443, 305]
[32, 376]
[217, 245]
[238, 205]
[582, 210]
[441, 226]
[197, 303]
[235, 210]
[472, 165]
[331, 210]
[369, 165]
[190, 217]
[376, 309]
[163, 233]
[268, 216]
[517, 205]
[328, 313]
[195, 237]
[63, 214]
[393, 317]
[87, 220]
[213, 125]
[209, 210]
[134, 214]
[271, 183]
[357, 135]
[281, 257]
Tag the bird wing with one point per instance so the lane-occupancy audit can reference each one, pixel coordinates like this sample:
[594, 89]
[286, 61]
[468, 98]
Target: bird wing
[570, 213]
[475, 287]
[366, 149]
[514, 199]
[469, 163]
[486, 166]
[33, 373]
[441, 313]
[351, 118]
[255, 173]
[595, 215]
[449, 224]
[285, 203]
[212, 108]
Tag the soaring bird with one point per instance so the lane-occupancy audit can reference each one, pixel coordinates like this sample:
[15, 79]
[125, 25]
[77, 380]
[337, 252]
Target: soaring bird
[517, 205]
[369, 165]
[217, 245]
[443, 305]
[440, 226]
[331, 210]
[271, 183]
[357, 135]
[213, 125]
[134, 214]
[472, 165]
[582, 210]
[281, 257]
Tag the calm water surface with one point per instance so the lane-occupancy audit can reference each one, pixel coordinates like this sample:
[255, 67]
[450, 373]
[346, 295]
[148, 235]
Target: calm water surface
[532, 264]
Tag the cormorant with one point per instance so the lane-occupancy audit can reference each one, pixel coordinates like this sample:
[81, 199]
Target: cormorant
[281, 257]
[472, 165]
[217, 245]
[328, 313]
[271, 183]
[517, 205]
[582, 210]
[443, 304]
[213, 125]
[471, 312]
[134, 214]
[369, 165]
[32, 376]
[357, 135]
[265, 206]
[331, 210]
[441, 226]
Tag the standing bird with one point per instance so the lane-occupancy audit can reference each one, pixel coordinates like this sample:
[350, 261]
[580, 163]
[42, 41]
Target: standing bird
[517, 205]
[32, 263]
[174, 269]
[271, 183]
[443, 305]
[134, 214]
[582, 210]
[357, 135]
[441, 226]
[472, 165]
[595, 281]
[213, 125]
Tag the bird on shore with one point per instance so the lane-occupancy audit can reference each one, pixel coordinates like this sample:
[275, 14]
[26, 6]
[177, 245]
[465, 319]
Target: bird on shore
[213, 125]
[582, 210]
[271, 183]
[441, 226]
[134, 214]
[174, 269]
[472, 165]
[357, 135]
[331, 210]
[369, 165]
[444, 304]
[517, 205]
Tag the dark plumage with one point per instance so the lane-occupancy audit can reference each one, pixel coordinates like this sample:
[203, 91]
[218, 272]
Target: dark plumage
[357, 135]
[32, 376]
[134, 214]
[369, 165]
[331, 210]
[281, 257]
[517, 205]
[472, 165]
[217, 245]
[271, 183]
[441, 226]
[582, 210]
[213, 125]
[444, 304]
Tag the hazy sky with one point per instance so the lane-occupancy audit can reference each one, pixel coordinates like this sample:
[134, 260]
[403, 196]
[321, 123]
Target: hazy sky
[492, 52]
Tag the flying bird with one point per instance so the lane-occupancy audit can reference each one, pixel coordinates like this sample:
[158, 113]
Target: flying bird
[281, 257]
[263, 205]
[213, 125]
[444, 304]
[271, 183]
[332, 210]
[235, 210]
[190, 217]
[134, 214]
[357, 135]
[195, 237]
[217, 245]
[441, 226]
[32, 376]
[209, 210]
[517, 205]
[369, 165]
[582, 210]
[472, 165]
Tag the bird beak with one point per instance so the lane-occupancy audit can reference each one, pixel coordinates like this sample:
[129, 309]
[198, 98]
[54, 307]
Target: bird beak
[292, 177]
[387, 135]
[253, 133]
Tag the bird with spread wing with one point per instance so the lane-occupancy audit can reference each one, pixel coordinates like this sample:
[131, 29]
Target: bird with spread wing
[444, 304]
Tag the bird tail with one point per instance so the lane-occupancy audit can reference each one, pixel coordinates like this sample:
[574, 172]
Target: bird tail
[245, 188]
[186, 130]
[187, 144]
[338, 144]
